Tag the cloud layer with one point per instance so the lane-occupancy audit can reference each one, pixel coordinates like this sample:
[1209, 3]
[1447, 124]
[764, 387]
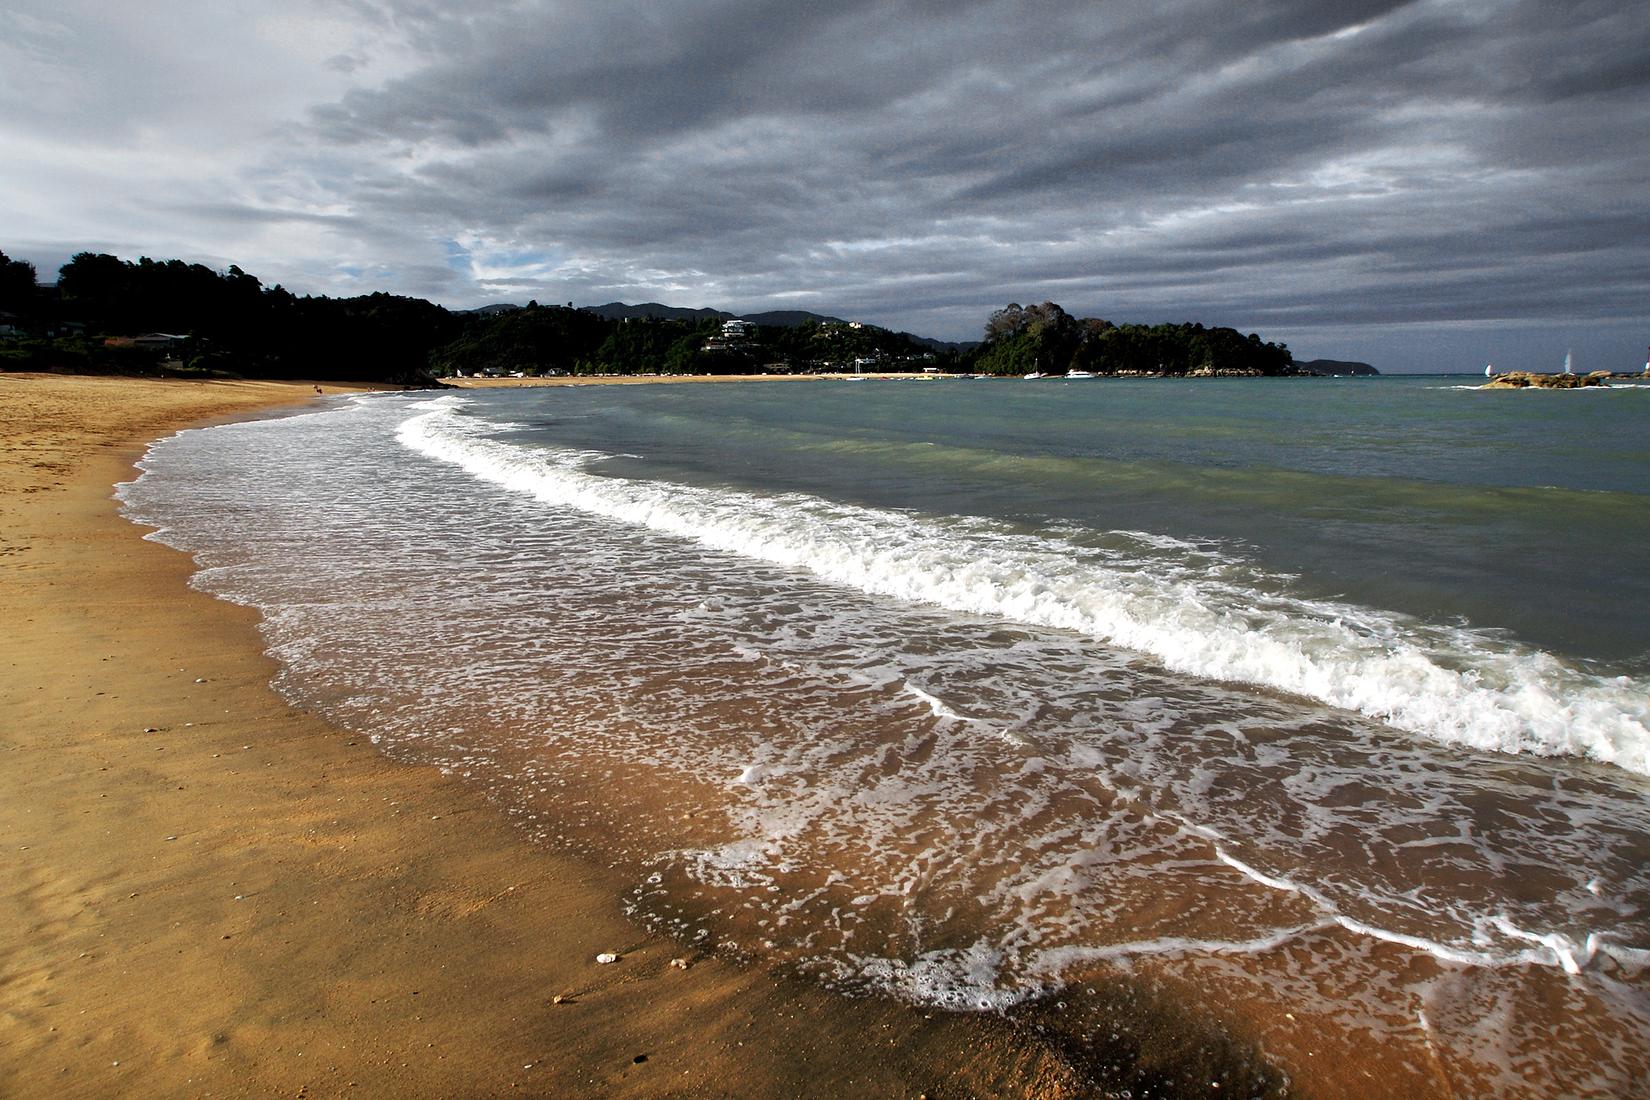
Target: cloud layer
[1365, 176]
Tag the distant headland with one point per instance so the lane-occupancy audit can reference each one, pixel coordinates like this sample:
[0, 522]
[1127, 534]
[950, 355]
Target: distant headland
[1335, 368]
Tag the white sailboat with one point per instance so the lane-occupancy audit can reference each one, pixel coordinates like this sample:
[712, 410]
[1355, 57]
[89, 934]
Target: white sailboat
[1568, 363]
[1489, 370]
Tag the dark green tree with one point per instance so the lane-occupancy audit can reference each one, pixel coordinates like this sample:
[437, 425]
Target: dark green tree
[19, 289]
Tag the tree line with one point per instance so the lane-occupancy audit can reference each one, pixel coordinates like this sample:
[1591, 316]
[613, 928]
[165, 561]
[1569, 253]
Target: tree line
[229, 322]
[563, 340]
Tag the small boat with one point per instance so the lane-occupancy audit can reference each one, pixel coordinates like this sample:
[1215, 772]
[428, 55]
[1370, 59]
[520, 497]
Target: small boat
[1079, 374]
[1489, 370]
[1034, 374]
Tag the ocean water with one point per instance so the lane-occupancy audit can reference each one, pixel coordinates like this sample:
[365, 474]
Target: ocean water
[1322, 705]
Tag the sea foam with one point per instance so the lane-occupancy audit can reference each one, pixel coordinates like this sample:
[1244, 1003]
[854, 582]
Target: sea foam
[1455, 686]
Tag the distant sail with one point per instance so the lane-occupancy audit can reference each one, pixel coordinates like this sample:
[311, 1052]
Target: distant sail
[1568, 363]
[1489, 371]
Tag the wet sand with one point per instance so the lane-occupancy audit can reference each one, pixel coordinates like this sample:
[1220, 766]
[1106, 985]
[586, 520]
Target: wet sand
[210, 892]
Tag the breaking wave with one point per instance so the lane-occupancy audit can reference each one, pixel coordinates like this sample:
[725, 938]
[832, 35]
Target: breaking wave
[1193, 611]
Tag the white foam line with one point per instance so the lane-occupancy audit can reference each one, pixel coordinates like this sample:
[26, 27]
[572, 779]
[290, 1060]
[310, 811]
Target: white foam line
[1272, 882]
[1563, 947]
[1053, 961]
[1430, 947]
[938, 706]
[1557, 948]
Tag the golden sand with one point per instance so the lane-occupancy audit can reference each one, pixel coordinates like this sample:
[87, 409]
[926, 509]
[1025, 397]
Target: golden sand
[207, 891]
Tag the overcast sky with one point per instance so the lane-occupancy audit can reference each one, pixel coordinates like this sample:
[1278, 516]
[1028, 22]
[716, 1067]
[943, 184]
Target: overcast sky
[1428, 184]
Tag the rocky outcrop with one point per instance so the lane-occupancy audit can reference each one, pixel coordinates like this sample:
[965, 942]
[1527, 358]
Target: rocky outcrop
[1226, 372]
[1521, 380]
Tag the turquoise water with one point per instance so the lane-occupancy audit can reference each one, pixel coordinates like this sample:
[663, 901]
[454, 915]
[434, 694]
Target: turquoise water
[1308, 701]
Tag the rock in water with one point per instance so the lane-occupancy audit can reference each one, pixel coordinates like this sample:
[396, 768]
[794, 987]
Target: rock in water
[1519, 380]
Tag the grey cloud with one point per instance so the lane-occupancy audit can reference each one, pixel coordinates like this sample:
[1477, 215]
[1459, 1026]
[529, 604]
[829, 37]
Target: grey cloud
[1343, 167]
[347, 63]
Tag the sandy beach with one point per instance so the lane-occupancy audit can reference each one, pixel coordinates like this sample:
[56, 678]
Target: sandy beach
[211, 893]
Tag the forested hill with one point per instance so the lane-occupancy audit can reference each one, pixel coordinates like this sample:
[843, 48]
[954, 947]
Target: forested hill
[562, 340]
[1046, 339]
[653, 311]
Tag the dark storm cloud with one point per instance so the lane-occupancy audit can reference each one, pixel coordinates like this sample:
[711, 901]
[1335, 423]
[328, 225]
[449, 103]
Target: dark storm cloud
[1288, 163]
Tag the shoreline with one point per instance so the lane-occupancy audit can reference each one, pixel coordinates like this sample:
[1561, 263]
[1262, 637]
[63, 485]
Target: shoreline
[540, 382]
[214, 892]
